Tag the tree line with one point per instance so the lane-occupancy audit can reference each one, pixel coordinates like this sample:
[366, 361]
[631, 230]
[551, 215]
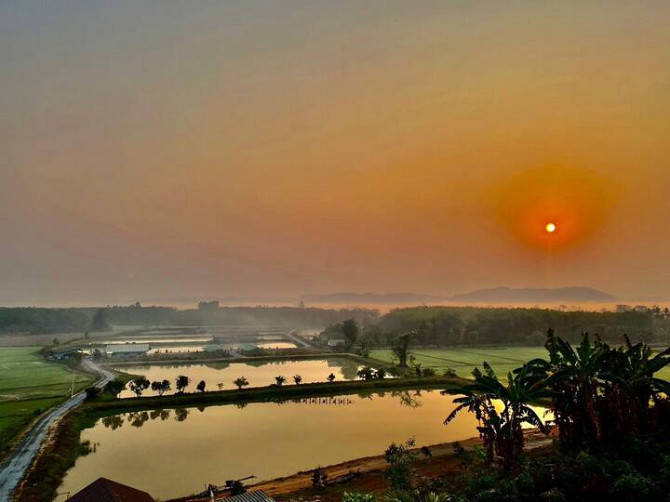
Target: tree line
[450, 326]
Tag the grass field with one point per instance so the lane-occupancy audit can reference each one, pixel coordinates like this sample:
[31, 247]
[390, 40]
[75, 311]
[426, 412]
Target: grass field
[28, 386]
[464, 360]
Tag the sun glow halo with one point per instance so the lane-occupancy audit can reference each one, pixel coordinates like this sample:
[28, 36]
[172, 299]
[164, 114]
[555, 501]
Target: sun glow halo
[550, 228]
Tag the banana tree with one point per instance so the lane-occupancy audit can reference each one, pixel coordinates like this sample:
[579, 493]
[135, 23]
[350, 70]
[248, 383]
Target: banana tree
[502, 409]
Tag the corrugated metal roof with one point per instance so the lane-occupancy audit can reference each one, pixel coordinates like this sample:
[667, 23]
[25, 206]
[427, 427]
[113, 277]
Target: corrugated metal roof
[252, 496]
[127, 347]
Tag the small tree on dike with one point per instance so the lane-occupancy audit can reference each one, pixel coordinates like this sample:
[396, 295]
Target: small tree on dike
[240, 382]
[181, 382]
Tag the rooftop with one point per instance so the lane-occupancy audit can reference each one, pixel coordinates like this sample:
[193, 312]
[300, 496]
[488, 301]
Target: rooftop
[106, 490]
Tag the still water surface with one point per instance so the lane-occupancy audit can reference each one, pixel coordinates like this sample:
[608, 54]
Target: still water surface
[171, 453]
[259, 374]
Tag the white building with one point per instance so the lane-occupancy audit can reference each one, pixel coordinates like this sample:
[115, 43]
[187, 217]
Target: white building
[127, 349]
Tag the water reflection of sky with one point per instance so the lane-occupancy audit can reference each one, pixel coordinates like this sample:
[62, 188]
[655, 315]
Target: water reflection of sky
[213, 444]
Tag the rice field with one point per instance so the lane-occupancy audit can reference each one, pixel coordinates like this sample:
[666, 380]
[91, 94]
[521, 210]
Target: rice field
[464, 360]
[30, 385]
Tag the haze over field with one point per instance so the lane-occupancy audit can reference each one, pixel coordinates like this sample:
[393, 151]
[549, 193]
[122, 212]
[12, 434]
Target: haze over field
[275, 149]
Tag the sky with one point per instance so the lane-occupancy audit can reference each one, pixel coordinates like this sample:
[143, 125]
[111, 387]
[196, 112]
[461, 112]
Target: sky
[164, 149]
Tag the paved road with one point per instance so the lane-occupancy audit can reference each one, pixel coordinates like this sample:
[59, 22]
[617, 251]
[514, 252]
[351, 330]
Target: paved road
[15, 467]
[298, 342]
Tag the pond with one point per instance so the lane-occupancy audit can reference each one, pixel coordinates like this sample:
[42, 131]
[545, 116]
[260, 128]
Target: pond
[171, 453]
[259, 374]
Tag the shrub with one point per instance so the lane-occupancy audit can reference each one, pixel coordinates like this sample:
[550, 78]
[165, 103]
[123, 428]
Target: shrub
[358, 497]
[401, 460]
[92, 393]
[632, 487]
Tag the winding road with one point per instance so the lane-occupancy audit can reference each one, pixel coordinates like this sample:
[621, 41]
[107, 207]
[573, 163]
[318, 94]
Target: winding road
[15, 466]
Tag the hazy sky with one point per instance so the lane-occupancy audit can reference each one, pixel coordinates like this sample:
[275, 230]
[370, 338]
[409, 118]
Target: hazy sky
[159, 148]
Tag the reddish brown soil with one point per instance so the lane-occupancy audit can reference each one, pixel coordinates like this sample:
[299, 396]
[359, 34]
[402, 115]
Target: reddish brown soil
[369, 474]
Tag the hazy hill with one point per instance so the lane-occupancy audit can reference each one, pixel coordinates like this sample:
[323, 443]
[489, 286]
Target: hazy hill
[534, 295]
[370, 298]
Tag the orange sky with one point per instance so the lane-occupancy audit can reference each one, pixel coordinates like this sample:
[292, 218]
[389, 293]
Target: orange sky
[162, 149]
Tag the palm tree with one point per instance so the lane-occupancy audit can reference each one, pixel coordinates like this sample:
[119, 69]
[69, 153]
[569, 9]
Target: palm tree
[502, 431]
[280, 380]
[297, 379]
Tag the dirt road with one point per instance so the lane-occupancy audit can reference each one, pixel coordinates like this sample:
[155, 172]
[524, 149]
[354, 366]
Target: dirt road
[15, 466]
[443, 457]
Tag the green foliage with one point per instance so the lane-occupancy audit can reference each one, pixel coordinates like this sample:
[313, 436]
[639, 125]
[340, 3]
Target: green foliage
[501, 430]
[366, 373]
[92, 393]
[114, 387]
[42, 320]
[358, 497]
[400, 347]
[401, 459]
[350, 332]
[99, 321]
[445, 326]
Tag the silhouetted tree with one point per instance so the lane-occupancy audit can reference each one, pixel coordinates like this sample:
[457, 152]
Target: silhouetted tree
[366, 373]
[350, 332]
[280, 380]
[114, 387]
[331, 377]
[99, 321]
[201, 386]
[297, 379]
[161, 387]
[240, 382]
[181, 382]
[400, 348]
[139, 385]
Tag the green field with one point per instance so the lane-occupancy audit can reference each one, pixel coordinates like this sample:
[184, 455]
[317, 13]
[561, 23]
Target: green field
[28, 386]
[464, 360]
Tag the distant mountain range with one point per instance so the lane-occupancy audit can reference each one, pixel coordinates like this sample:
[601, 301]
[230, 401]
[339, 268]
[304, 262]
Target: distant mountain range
[494, 295]
[367, 298]
[535, 295]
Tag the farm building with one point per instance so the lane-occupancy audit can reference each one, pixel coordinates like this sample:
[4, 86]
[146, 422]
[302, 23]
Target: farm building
[127, 349]
[106, 490]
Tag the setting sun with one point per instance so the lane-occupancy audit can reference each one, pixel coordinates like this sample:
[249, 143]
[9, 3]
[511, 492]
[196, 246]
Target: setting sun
[550, 228]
